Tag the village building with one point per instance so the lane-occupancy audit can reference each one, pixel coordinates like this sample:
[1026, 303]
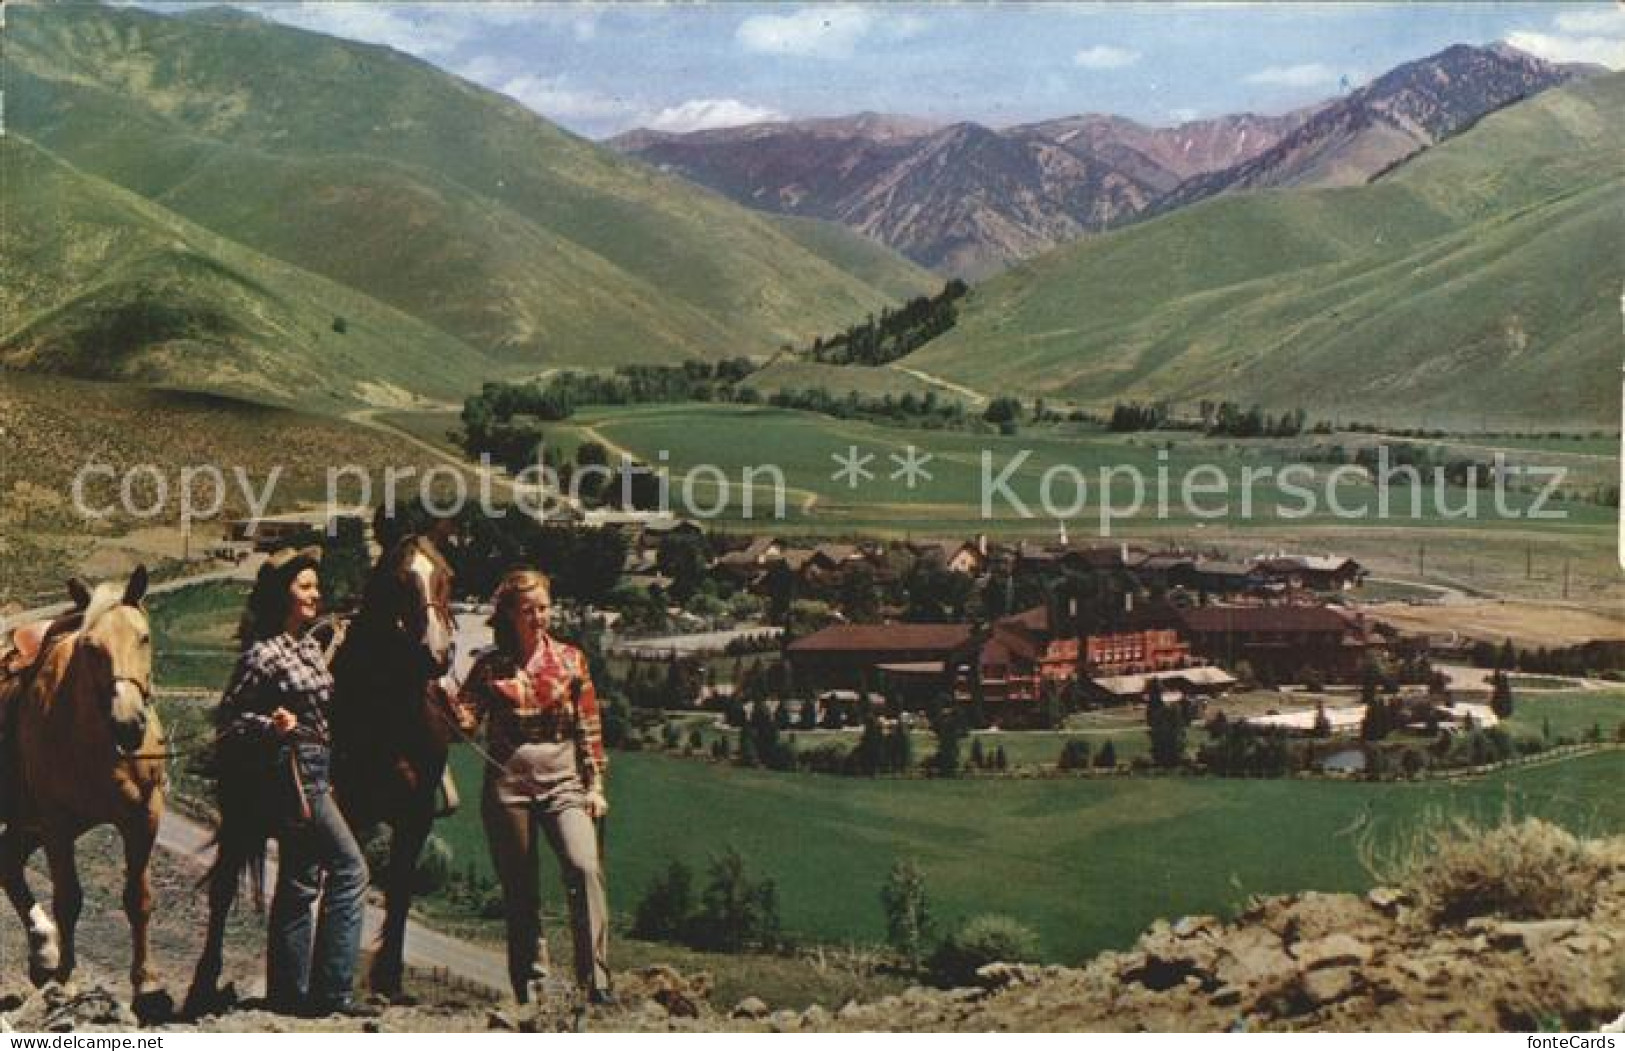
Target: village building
[1313, 572]
[969, 557]
[1279, 642]
[915, 659]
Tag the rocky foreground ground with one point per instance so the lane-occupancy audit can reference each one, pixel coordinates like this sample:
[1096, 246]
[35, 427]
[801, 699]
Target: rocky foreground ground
[1521, 928]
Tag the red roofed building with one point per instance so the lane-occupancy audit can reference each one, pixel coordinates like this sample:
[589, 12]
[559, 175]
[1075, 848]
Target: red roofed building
[1279, 641]
[851, 656]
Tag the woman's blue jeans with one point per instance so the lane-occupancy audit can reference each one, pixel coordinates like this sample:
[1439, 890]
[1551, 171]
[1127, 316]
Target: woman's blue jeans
[316, 858]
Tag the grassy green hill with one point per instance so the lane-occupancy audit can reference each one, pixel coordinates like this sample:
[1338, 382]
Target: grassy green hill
[423, 191]
[860, 256]
[1476, 285]
[104, 284]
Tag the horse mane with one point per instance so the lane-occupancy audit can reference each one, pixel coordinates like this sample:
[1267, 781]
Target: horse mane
[107, 596]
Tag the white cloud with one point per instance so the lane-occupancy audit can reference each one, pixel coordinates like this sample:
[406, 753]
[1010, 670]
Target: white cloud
[833, 31]
[422, 33]
[1104, 56]
[1557, 47]
[556, 98]
[1609, 22]
[428, 30]
[1308, 75]
[702, 114]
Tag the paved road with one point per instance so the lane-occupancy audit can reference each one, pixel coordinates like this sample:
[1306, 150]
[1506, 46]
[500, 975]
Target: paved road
[425, 948]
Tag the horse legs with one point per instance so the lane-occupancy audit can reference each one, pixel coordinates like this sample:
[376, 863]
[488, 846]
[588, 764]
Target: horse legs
[405, 844]
[44, 946]
[204, 996]
[67, 896]
[139, 836]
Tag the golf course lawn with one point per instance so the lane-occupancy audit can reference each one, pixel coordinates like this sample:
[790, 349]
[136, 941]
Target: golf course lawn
[1086, 863]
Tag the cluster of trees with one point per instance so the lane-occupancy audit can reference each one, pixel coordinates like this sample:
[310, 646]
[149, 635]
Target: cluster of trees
[733, 912]
[1425, 460]
[1239, 749]
[1585, 659]
[896, 333]
[1076, 755]
[1228, 418]
[924, 410]
[1132, 416]
[1167, 724]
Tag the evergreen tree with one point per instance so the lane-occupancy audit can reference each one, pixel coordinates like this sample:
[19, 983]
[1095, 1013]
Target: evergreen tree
[908, 912]
[1501, 694]
[1106, 759]
[978, 759]
[950, 738]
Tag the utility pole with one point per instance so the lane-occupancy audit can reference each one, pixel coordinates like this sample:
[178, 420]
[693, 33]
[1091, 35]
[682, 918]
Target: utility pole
[1565, 579]
[1421, 560]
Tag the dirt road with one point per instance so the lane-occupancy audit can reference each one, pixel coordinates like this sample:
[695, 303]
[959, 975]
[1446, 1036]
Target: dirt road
[425, 948]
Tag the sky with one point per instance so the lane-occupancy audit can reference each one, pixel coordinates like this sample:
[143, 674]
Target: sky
[600, 69]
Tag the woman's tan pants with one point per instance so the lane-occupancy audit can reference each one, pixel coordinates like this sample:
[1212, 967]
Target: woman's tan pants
[511, 830]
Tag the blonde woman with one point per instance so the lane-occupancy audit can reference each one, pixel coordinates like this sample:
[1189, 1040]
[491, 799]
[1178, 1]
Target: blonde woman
[536, 698]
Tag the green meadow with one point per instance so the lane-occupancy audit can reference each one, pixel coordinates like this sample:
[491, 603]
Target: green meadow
[1087, 863]
[735, 439]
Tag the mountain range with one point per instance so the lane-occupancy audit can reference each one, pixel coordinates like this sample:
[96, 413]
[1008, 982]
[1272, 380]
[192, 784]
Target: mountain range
[969, 201]
[1475, 284]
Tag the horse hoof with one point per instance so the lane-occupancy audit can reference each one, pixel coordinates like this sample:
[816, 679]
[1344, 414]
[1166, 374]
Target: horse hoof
[202, 1001]
[153, 1006]
[44, 952]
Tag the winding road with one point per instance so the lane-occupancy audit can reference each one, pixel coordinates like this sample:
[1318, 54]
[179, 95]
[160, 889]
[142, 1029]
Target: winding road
[425, 948]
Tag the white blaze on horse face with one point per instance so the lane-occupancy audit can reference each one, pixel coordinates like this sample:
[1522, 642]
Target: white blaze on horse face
[123, 636]
[436, 629]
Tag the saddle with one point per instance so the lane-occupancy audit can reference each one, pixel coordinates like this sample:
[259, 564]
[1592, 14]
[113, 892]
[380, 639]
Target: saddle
[27, 642]
[18, 662]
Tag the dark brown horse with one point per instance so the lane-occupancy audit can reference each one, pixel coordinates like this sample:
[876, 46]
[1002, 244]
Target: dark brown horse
[391, 728]
[392, 724]
[89, 752]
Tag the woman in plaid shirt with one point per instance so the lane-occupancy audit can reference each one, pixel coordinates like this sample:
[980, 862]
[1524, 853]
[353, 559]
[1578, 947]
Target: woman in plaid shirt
[273, 721]
[543, 729]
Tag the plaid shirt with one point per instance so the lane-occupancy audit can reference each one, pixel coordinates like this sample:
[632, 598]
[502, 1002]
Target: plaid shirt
[551, 699]
[279, 672]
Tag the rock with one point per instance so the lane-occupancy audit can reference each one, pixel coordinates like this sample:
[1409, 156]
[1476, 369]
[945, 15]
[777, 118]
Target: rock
[750, 1007]
[1254, 957]
[784, 1020]
[851, 1012]
[1002, 975]
[497, 1020]
[1534, 935]
[1225, 996]
[1329, 985]
[1336, 950]
[1616, 1026]
[1191, 926]
[1387, 900]
[653, 1011]
[815, 1017]
[968, 994]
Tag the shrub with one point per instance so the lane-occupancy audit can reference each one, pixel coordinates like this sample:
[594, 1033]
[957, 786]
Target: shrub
[736, 912]
[908, 911]
[982, 940]
[1523, 870]
[667, 907]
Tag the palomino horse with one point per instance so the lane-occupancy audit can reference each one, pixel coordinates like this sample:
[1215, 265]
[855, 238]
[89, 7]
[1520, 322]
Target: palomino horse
[390, 736]
[89, 752]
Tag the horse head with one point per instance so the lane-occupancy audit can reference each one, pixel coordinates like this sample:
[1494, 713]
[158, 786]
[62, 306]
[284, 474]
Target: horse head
[116, 648]
[411, 588]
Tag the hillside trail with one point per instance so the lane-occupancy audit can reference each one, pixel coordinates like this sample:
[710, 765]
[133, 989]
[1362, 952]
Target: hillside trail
[937, 381]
